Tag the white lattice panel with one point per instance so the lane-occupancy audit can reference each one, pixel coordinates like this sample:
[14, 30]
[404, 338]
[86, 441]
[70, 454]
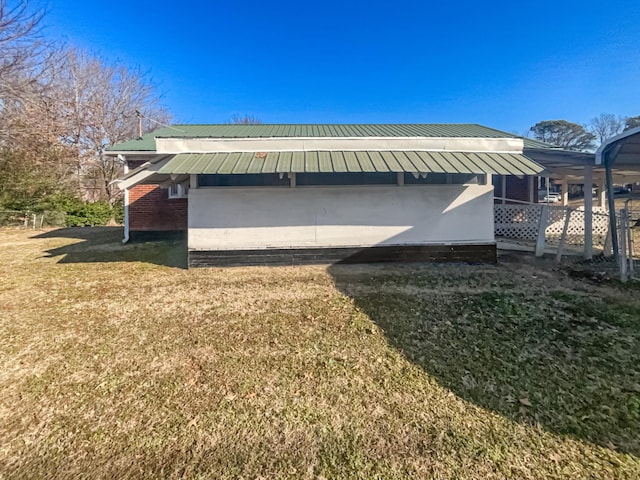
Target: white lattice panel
[519, 222]
[575, 228]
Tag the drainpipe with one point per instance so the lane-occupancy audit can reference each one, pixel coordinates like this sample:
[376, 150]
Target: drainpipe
[126, 209]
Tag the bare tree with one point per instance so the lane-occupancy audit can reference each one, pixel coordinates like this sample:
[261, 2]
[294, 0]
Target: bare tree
[632, 122]
[243, 120]
[21, 47]
[60, 108]
[606, 125]
[99, 103]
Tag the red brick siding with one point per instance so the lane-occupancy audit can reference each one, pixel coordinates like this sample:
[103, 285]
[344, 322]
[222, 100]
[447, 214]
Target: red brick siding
[151, 209]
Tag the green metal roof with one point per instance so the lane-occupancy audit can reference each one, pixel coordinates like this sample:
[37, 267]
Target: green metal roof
[147, 142]
[351, 161]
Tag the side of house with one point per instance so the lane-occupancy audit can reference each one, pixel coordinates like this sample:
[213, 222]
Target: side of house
[299, 194]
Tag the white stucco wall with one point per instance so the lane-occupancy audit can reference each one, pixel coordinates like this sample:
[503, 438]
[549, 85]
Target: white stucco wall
[254, 218]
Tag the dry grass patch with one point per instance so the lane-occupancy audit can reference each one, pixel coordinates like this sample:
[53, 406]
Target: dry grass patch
[116, 363]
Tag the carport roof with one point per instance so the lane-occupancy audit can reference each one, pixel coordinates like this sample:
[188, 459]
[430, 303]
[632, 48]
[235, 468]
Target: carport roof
[621, 151]
[351, 161]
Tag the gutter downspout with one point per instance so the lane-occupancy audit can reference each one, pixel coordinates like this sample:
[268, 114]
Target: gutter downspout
[126, 209]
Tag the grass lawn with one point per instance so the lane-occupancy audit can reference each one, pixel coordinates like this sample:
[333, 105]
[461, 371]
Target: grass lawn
[118, 363]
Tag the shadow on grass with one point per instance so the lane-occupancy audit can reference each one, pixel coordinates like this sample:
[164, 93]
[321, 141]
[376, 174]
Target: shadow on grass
[104, 244]
[565, 361]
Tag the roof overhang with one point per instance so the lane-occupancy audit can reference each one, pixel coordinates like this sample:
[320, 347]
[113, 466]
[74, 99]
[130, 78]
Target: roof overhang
[395, 161]
[623, 151]
[562, 163]
[145, 173]
[387, 161]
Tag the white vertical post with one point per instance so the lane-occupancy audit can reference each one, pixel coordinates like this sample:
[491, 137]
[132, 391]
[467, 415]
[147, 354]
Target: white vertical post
[542, 229]
[622, 256]
[629, 244]
[531, 188]
[193, 181]
[125, 200]
[563, 237]
[565, 192]
[588, 212]
[503, 185]
[602, 193]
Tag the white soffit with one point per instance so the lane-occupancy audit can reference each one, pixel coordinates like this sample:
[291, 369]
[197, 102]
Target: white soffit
[141, 173]
[451, 144]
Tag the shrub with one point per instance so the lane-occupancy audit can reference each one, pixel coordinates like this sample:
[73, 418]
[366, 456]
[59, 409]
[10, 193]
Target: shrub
[72, 212]
[88, 214]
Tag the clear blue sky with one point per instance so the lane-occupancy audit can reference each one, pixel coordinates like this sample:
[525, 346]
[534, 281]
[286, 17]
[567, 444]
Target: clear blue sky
[503, 64]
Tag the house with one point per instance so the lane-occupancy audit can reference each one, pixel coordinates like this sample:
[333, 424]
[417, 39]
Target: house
[282, 194]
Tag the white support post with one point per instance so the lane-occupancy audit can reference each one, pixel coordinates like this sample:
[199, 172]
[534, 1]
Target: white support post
[631, 272]
[503, 185]
[588, 212]
[193, 181]
[542, 230]
[602, 193]
[608, 247]
[565, 192]
[125, 238]
[622, 257]
[563, 237]
[400, 179]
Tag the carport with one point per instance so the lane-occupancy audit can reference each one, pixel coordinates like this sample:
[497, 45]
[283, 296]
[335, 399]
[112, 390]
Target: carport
[620, 156]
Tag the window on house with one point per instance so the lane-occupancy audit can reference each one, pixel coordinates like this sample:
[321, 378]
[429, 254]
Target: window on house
[178, 190]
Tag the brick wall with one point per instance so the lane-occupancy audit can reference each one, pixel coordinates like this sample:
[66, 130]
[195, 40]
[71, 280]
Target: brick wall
[151, 209]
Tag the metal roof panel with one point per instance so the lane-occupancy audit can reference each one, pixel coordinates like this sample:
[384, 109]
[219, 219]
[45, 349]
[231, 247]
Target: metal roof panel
[147, 142]
[358, 161]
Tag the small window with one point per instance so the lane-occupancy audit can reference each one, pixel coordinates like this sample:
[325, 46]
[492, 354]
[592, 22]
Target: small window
[178, 190]
[347, 178]
[244, 180]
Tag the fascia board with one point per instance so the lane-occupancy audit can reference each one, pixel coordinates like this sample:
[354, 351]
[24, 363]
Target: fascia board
[443, 144]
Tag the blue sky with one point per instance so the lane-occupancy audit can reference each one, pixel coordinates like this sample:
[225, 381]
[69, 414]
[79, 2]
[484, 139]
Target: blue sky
[502, 64]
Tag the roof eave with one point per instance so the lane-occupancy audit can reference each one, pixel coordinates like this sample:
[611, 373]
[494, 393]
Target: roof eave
[607, 144]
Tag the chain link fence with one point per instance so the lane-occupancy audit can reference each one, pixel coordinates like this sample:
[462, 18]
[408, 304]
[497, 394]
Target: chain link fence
[28, 219]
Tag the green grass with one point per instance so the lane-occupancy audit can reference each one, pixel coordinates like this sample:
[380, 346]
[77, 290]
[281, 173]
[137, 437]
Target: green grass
[116, 362]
